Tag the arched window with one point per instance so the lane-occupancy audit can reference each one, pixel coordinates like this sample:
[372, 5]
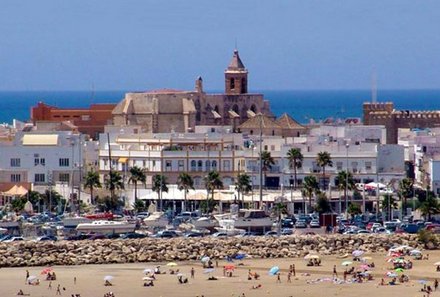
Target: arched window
[199, 165]
[252, 132]
[216, 108]
[214, 165]
[273, 132]
[232, 83]
[207, 165]
[254, 108]
[236, 109]
[193, 165]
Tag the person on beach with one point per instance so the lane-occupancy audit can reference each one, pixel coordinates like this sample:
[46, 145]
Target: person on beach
[293, 270]
[49, 287]
[27, 275]
[74, 280]
[435, 284]
[192, 272]
[278, 278]
[335, 273]
[289, 277]
[58, 290]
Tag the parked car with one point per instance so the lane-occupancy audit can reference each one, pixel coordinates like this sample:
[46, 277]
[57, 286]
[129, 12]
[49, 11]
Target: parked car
[362, 231]
[287, 231]
[14, 239]
[315, 224]
[194, 234]
[166, 234]
[47, 238]
[271, 233]
[133, 235]
[300, 224]
[220, 234]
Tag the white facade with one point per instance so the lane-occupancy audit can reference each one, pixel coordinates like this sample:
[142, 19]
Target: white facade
[41, 158]
[434, 170]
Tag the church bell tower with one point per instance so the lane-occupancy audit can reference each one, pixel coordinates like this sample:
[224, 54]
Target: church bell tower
[236, 76]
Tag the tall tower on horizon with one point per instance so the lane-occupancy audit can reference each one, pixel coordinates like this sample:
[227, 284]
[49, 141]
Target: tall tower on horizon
[236, 76]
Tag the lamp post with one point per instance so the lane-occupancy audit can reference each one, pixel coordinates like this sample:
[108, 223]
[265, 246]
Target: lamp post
[347, 145]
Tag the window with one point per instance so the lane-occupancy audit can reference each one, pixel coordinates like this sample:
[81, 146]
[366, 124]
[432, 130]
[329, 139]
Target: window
[105, 162]
[168, 165]
[232, 84]
[64, 162]
[114, 162]
[193, 165]
[64, 177]
[207, 165]
[85, 117]
[367, 165]
[144, 163]
[181, 165]
[214, 165]
[15, 162]
[226, 165]
[265, 147]
[272, 147]
[338, 166]
[15, 178]
[199, 165]
[39, 161]
[39, 178]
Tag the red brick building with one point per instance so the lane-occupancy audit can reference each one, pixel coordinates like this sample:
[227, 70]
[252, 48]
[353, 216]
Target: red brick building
[89, 121]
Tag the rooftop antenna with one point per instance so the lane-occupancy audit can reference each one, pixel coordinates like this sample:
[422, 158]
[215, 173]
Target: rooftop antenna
[374, 86]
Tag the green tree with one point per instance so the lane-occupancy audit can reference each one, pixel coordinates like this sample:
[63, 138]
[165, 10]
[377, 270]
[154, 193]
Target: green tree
[295, 158]
[405, 192]
[279, 209]
[185, 182]
[137, 174]
[323, 159]
[243, 185]
[91, 181]
[18, 203]
[322, 203]
[354, 209]
[113, 183]
[139, 205]
[212, 181]
[267, 163]
[429, 207]
[389, 203]
[310, 187]
[159, 186]
[346, 182]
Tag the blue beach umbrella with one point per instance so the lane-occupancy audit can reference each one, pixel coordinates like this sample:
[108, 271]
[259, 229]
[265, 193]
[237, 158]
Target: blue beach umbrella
[240, 256]
[274, 270]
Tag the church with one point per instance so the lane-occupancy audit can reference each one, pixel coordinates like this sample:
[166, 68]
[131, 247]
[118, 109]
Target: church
[167, 110]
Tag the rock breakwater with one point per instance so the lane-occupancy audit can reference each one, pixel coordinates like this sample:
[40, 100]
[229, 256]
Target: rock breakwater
[29, 253]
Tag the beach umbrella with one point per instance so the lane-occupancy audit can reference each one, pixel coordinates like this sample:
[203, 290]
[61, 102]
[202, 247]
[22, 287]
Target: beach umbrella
[415, 252]
[147, 278]
[357, 253]
[46, 270]
[346, 263]
[399, 270]
[274, 270]
[364, 267]
[240, 256]
[148, 270]
[310, 257]
[400, 261]
[437, 263]
[230, 267]
[205, 259]
[208, 270]
[108, 278]
[391, 274]
[422, 281]
[32, 279]
[172, 264]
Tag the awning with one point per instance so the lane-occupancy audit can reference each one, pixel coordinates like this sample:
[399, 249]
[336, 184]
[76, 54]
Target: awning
[216, 114]
[250, 113]
[123, 160]
[233, 114]
[40, 139]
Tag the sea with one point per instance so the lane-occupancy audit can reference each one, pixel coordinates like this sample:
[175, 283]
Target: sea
[302, 105]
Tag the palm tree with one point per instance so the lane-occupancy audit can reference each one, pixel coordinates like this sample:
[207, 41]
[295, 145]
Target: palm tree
[322, 204]
[429, 207]
[185, 182]
[310, 187]
[243, 185]
[137, 175]
[389, 203]
[405, 192]
[159, 186]
[213, 181]
[295, 161]
[267, 162]
[346, 182]
[324, 159]
[113, 182]
[91, 181]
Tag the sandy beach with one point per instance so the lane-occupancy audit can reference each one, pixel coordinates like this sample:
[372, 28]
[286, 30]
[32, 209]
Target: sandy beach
[127, 279]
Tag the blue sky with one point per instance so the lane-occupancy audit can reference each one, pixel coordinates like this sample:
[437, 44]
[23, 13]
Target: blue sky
[142, 44]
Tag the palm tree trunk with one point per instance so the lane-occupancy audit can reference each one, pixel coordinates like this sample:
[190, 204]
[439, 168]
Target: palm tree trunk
[323, 177]
[295, 181]
[310, 204]
[91, 196]
[184, 198]
[135, 192]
